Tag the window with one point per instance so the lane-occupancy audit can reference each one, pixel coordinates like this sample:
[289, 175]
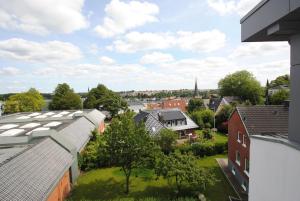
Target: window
[244, 141]
[238, 158]
[239, 137]
[233, 171]
[246, 166]
[244, 185]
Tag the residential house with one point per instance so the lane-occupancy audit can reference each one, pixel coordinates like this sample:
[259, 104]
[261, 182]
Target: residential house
[214, 103]
[273, 90]
[180, 104]
[226, 100]
[173, 119]
[38, 152]
[265, 120]
[136, 106]
[275, 164]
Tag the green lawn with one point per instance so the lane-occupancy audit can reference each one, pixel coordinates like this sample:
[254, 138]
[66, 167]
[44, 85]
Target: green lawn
[108, 184]
[218, 137]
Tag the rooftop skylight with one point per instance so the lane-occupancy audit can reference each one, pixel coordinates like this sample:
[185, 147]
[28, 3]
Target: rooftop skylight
[53, 124]
[23, 117]
[12, 132]
[49, 113]
[30, 125]
[8, 126]
[41, 117]
[34, 114]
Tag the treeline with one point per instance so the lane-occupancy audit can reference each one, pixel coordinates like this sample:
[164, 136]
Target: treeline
[64, 98]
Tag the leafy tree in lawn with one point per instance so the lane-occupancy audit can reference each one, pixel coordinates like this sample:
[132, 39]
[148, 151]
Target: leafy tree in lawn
[195, 104]
[129, 144]
[279, 97]
[104, 99]
[29, 101]
[222, 118]
[243, 85]
[203, 118]
[166, 139]
[281, 80]
[184, 170]
[64, 98]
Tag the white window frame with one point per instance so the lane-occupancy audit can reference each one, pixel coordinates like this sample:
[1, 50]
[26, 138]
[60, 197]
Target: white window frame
[243, 186]
[236, 154]
[245, 169]
[233, 171]
[238, 137]
[244, 141]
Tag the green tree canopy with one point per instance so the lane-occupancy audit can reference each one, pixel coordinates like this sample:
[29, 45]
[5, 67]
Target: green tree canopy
[195, 104]
[104, 99]
[281, 80]
[243, 85]
[64, 98]
[203, 118]
[222, 117]
[29, 101]
[279, 97]
[129, 144]
[184, 171]
[167, 140]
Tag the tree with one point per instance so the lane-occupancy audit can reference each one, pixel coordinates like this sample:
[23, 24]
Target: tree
[203, 118]
[29, 101]
[64, 98]
[104, 99]
[281, 80]
[129, 144]
[195, 104]
[222, 118]
[243, 85]
[167, 140]
[279, 97]
[184, 170]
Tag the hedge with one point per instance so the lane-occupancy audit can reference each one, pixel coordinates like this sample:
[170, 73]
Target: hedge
[204, 148]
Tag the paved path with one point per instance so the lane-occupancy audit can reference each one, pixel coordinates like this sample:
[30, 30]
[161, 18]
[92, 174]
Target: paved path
[223, 163]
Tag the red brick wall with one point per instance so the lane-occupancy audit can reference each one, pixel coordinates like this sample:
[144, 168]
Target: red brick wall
[62, 189]
[235, 125]
[175, 103]
[101, 127]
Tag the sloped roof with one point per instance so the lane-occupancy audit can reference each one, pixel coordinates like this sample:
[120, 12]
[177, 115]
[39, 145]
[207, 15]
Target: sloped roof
[168, 115]
[153, 125]
[28, 176]
[231, 99]
[268, 120]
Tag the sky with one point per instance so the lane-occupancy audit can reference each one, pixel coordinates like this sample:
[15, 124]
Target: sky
[129, 45]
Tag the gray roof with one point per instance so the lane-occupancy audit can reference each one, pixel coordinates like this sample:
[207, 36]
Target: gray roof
[28, 175]
[78, 133]
[265, 120]
[231, 99]
[152, 124]
[168, 115]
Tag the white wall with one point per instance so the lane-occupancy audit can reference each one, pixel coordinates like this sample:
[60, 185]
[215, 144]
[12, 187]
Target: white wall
[274, 172]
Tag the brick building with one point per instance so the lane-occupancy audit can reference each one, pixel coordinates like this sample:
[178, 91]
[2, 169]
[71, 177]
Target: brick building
[244, 122]
[180, 104]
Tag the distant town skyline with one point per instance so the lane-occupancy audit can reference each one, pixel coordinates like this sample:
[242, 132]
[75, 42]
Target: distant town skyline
[129, 45]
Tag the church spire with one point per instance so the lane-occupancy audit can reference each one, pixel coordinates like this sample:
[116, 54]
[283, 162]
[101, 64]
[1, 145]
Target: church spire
[196, 92]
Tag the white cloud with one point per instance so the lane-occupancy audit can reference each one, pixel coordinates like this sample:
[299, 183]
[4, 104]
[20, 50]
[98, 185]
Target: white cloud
[156, 58]
[9, 71]
[259, 50]
[241, 7]
[45, 52]
[122, 16]
[106, 60]
[42, 17]
[206, 41]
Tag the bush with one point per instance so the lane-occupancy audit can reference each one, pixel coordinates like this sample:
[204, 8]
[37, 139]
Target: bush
[207, 134]
[205, 148]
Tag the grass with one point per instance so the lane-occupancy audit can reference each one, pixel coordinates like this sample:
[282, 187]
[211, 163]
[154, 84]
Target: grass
[217, 136]
[108, 184]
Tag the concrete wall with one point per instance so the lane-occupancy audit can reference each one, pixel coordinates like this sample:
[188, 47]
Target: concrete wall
[274, 172]
[62, 189]
[235, 126]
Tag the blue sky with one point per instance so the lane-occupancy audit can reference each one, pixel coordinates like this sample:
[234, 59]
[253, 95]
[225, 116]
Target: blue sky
[129, 45]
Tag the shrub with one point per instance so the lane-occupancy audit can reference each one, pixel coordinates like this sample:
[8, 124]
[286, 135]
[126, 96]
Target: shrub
[205, 148]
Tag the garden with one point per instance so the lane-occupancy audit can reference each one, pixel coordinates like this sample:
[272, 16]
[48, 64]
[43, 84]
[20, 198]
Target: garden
[138, 167]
